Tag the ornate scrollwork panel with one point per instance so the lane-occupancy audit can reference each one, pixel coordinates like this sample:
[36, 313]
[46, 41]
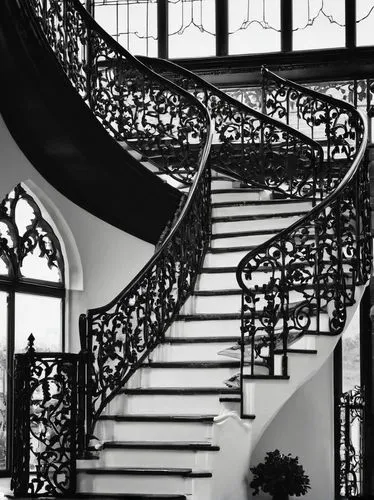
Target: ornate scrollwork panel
[134, 105]
[350, 453]
[45, 424]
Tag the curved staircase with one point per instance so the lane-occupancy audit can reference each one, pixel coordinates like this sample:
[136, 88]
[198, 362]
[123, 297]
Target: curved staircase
[252, 282]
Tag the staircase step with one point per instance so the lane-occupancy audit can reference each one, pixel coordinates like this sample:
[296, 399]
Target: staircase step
[224, 195]
[192, 351]
[143, 480]
[154, 454]
[213, 328]
[155, 427]
[273, 202]
[240, 240]
[168, 400]
[247, 209]
[189, 373]
[127, 496]
[257, 217]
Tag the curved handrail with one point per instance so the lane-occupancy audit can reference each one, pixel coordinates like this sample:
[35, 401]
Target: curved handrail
[288, 158]
[319, 260]
[135, 105]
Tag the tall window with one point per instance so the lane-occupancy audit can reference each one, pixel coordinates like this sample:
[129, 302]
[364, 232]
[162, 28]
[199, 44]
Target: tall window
[254, 26]
[31, 293]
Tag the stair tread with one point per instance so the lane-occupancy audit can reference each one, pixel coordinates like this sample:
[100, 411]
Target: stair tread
[193, 364]
[180, 390]
[144, 471]
[237, 190]
[234, 234]
[162, 445]
[128, 496]
[208, 293]
[245, 248]
[259, 202]
[202, 340]
[159, 418]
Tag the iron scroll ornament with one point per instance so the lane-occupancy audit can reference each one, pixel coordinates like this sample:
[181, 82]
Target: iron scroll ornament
[248, 145]
[313, 267]
[137, 107]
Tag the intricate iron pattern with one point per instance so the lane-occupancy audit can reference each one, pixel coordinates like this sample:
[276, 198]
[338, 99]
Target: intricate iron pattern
[121, 334]
[135, 105]
[36, 238]
[351, 410]
[247, 144]
[315, 265]
[45, 423]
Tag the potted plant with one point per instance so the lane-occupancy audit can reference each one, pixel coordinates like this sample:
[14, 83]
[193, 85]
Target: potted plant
[280, 475]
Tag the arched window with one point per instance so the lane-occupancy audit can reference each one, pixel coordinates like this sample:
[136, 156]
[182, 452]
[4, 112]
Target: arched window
[32, 293]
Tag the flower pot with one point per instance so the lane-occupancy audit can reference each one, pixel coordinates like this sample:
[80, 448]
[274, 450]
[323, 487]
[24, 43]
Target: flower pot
[281, 496]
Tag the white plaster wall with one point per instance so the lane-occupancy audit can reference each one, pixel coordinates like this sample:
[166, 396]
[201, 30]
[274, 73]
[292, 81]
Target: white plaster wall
[305, 427]
[103, 259]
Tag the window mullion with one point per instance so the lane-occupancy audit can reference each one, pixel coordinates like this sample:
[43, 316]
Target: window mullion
[163, 28]
[286, 25]
[350, 24]
[222, 28]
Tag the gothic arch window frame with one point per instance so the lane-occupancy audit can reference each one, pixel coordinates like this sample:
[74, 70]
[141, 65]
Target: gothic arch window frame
[16, 245]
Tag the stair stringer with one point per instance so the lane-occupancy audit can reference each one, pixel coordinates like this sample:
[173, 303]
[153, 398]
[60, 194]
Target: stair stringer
[231, 464]
[265, 398]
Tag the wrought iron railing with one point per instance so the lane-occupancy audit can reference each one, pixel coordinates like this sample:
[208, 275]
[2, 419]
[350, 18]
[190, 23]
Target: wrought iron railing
[47, 390]
[315, 265]
[135, 105]
[247, 144]
[351, 412]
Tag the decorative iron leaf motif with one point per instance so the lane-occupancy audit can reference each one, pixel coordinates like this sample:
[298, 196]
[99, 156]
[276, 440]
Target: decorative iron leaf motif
[351, 411]
[134, 105]
[45, 424]
[311, 269]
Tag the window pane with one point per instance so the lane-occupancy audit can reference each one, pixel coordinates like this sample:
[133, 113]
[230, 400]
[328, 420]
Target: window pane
[254, 26]
[192, 28]
[351, 354]
[318, 24]
[40, 316]
[365, 22]
[132, 23]
[3, 377]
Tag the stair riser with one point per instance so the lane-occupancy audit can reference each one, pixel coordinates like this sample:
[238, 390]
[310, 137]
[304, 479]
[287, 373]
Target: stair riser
[154, 431]
[145, 484]
[160, 404]
[268, 208]
[224, 259]
[253, 225]
[245, 196]
[211, 328]
[189, 459]
[221, 184]
[190, 352]
[222, 281]
[212, 304]
[241, 241]
[186, 377]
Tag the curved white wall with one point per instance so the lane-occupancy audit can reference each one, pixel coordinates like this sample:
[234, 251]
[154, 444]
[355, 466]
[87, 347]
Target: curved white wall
[103, 259]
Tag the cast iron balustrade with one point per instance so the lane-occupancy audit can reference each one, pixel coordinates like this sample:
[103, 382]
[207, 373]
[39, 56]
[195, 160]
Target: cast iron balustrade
[135, 105]
[47, 389]
[350, 452]
[315, 266]
[249, 145]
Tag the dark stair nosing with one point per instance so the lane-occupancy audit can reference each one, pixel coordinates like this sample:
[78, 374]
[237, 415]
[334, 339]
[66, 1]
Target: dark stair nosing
[230, 400]
[241, 234]
[246, 248]
[146, 471]
[238, 218]
[209, 293]
[193, 364]
[265, 377]
[237, 190]
[206, 419]
[180, 390]
[296, 351]
[126, 496]
[207, 317]
[161, 445]
[201, 340]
